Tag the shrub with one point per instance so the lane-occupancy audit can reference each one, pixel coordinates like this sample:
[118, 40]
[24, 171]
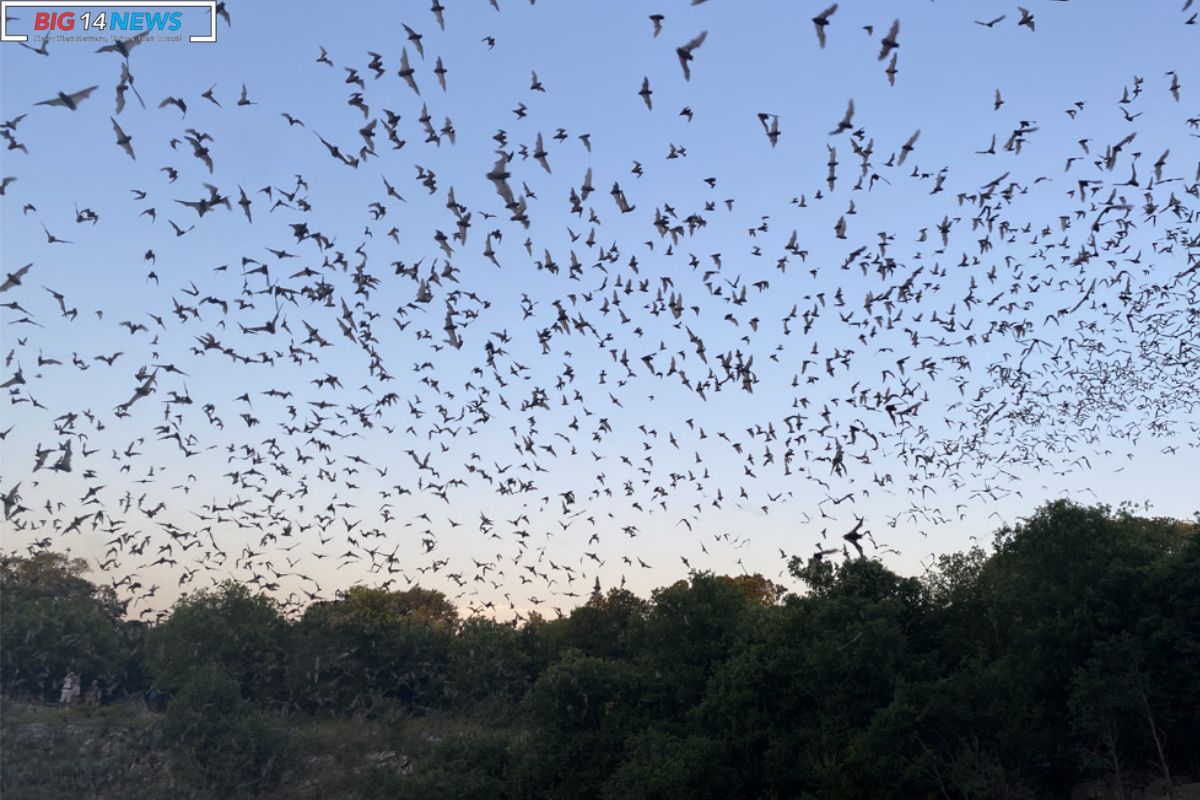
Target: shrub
[223, 738]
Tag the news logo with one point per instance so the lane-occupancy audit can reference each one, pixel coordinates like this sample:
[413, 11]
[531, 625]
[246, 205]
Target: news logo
[101, 17]
[117, 20]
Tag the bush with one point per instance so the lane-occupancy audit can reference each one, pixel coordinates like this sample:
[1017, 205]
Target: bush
[223, 738]
[242, 632]
[473, 767]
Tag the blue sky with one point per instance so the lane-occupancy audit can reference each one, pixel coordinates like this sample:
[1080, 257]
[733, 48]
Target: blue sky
[591, 59]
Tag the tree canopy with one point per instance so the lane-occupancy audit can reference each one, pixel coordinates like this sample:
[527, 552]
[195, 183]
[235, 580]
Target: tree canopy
[1067, 650]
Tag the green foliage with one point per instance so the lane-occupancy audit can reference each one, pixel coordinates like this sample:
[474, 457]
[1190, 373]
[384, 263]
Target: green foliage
[489, 669]
[1057, 587]
[460, 768]
[241, 632]
[1068, 651]
[794, 702]
[662, 766]
[373, 609]
[56, 621]
[222, 737]
[581, 709]
[371, 645]
[602, 626]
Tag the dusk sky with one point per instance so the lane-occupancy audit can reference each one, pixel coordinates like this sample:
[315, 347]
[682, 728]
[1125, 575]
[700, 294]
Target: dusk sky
[1057, 323]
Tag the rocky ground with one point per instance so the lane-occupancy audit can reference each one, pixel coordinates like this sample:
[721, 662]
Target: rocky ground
[117, 752]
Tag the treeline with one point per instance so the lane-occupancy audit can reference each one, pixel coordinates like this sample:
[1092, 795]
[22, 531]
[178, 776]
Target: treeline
[1068, 651]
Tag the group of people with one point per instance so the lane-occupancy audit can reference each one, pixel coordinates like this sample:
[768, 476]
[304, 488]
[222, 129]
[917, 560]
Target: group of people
[71, 691]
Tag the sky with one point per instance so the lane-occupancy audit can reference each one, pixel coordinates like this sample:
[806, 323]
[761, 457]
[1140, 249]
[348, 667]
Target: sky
[619, 465]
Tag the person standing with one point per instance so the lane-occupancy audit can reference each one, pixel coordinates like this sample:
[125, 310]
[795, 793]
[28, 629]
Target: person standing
[70, 689]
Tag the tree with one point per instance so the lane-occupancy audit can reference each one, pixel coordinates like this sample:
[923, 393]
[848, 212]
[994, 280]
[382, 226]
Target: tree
[241, 632]
[663, 766]
[1057, 586]
[582, 710]
[603, 625]
[488, 667]
[1068, 650]
[790, 706]
[691, 627]
[55, 620]
[371, 644]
